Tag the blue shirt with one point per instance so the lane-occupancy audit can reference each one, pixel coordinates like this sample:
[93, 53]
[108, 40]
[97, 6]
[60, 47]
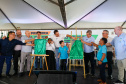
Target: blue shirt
[120, 46]
[63, 52]
[102, 49]
[7, 46]
[88, 49]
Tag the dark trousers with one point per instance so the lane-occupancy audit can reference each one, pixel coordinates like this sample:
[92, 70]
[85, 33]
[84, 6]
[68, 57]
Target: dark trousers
[8, 62]
[16, 55]
[109, 58]
[51, 60]
[102, 72]
[89, 57]
[63, 64]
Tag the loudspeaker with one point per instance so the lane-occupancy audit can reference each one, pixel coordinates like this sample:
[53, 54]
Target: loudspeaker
[55, 77]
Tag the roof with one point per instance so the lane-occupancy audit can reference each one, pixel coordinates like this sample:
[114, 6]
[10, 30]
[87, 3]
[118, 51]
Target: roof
[61, 14]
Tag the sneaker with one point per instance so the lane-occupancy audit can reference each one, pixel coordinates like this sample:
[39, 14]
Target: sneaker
[28, 72]
[99, 80]
[87, 74]
[41, 69]
[0, 76]
[118, 81]
[35, 68]
[103, 83]
[92, 76]
[20, 74]
[110, 77]
[8, 75]
[15, 74]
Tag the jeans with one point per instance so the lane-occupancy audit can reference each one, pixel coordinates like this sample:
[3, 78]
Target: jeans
[36, 62]
[8, 62]
[102, 72]
[57, 59]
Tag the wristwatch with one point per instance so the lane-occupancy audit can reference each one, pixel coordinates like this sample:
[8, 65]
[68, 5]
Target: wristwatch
[101, 61]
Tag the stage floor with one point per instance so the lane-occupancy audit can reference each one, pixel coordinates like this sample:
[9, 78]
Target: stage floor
[80, 79]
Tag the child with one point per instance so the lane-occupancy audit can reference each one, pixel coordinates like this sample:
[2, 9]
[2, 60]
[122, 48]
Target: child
[102, 60]
[63, 55]
[50, 48]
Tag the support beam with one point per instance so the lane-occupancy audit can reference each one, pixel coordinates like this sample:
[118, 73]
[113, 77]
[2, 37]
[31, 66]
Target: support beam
[63, 12]
[89, 13]
[8, 19]
[41, 12]
[123, 23]
[54, 2]
[69, 2]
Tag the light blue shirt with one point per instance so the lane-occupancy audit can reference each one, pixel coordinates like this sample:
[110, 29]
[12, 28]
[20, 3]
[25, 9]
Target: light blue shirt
[120, 46]
[63, 52]
[88, 49]
[102, 49]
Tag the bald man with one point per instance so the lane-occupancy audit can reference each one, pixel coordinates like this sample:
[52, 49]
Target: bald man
[119, 42]
[25, 52]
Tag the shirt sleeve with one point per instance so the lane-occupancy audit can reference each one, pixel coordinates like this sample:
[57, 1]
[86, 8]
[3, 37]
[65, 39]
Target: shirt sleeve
[63, 36]
[19, 42]
[59, 51]
[53, 46]
[22, 39]
[112, 42]
[67, 48]
[104, 49]
[93, 40]
[83, 38]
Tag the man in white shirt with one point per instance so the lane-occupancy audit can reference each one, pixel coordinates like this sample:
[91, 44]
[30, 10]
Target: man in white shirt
[50, 49]
[56, 39]
[105, 34]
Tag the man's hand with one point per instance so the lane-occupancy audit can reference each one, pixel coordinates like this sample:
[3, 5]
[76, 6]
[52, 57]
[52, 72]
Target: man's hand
[4, 37]
[99, 62]
[32, 44]
[74, 38]
[93, 43]
[58, 56]
[46, 37]
[33, 39]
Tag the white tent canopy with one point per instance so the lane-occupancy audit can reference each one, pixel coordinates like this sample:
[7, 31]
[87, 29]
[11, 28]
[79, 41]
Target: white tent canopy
[61, 14]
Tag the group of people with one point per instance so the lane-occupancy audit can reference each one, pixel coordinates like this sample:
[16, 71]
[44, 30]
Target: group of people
[21, 46]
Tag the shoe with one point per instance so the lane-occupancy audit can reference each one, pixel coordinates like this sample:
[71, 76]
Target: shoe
[103, 83]
[20, 74]
[99, 80]
[15, 74]
[87, 74]
[118, 81]
[92, 76]
[8, 75]
[110, 77]
[41, 69]
[28, 72]
[35, 68]
[0, 76]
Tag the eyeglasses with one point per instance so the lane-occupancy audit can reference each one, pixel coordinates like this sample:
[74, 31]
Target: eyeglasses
[104, 33]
